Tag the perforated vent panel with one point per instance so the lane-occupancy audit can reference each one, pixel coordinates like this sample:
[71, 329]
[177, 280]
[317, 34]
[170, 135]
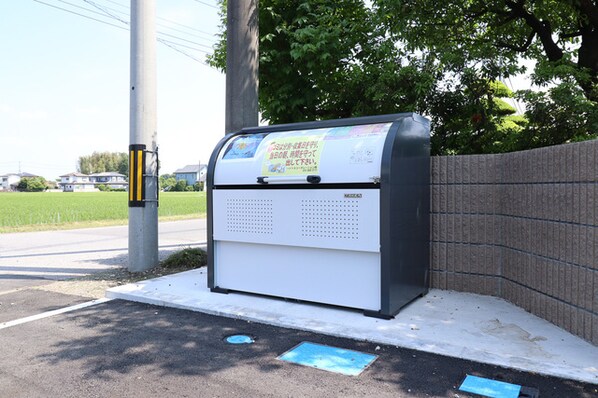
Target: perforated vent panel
[337, 219]
[253, 216]
[322, 218]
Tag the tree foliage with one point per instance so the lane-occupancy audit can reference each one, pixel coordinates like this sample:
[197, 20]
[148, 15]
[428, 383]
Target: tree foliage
[473, 117]
[325, 60]
[167, 182]
[561, 114]
[492, 38]
[32, 184]
[180, 186]
[100, 162]
[560, 35]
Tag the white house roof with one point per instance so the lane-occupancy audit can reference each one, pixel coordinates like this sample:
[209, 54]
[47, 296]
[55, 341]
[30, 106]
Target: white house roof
[191, 168]
[74, 174]
[27, 175]
[107, 174]
[19, 175]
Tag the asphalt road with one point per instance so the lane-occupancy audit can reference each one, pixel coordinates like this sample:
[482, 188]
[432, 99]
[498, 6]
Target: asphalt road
[30, 258]
[125, 349]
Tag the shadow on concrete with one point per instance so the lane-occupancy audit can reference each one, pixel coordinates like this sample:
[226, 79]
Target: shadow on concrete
[120, 338]
[116, 260]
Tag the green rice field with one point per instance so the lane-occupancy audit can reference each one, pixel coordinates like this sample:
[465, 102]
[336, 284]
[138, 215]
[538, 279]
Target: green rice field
[25, 211]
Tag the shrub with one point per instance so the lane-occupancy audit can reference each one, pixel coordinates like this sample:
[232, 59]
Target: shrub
[186, 258]
[32, 184]
[167, 182]
[180, 186]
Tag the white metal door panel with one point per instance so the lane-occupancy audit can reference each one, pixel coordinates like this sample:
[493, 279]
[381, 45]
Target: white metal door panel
[337, 277]
[327, 218]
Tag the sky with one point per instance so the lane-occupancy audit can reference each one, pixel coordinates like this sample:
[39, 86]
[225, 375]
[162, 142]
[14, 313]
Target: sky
[64, 83]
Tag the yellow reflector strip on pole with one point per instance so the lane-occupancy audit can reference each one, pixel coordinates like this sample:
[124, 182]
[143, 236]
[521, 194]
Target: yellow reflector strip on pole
[131, 175]
[139, 174]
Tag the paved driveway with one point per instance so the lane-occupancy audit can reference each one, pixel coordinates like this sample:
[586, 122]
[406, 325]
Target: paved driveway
[124, 349]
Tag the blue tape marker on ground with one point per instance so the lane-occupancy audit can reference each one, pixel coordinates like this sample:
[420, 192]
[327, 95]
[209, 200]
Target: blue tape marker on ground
[332, 359]
[490, 388]
[239, 339]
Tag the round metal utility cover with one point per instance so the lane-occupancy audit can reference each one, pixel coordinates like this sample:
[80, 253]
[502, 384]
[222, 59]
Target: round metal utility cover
[240, 339]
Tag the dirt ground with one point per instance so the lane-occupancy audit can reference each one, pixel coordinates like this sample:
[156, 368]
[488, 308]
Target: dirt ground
[95, 285]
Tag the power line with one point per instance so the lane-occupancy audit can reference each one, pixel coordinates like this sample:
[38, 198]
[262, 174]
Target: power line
[188, 41]
[81, 15]
[82, 8]
[160, 33]
[182, 52]
[206, 4]
[169, 43]
[186, 33]
[182, 45]
[211, 35]
[201, 2]
[118, 4]
[106, 11]
[91, 3]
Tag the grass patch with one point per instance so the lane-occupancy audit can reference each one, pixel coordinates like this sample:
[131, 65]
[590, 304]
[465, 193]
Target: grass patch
[28, 211]
[190, 258]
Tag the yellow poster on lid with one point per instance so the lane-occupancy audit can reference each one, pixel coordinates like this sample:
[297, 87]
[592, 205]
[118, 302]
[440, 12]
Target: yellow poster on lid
[291, 156]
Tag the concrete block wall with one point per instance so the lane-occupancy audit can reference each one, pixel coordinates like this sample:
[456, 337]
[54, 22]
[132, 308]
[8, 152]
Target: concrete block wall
[522, 226]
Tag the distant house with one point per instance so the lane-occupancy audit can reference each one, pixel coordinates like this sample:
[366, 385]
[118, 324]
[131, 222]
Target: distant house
[76, 182]
[192, 173]
[9, 182]
[79, 182]
[110, 179]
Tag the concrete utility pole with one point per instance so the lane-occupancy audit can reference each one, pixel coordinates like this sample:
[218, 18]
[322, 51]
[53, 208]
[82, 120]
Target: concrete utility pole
[143, 158]
[242, 34]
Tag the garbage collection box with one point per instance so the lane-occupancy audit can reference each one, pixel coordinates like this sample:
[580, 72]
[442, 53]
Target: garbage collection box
[333, 212]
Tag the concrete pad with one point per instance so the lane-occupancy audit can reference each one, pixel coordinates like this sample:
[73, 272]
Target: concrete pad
[463, 325]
